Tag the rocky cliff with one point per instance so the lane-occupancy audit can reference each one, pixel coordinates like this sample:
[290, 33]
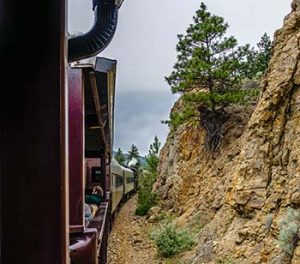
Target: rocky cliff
[242, 192]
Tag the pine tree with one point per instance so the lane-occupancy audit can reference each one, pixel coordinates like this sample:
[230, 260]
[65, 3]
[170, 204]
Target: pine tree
[208, 62]
[209, 68]
[152, 158]
[264, 52]
[257, 60]
[249, 66]
[134, 153]
[120, 157]
[147, 198]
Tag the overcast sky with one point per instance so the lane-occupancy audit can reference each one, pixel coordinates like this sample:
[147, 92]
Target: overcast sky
[144, 46]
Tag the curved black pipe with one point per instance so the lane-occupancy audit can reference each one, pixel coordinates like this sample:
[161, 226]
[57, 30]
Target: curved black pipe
[98, 38]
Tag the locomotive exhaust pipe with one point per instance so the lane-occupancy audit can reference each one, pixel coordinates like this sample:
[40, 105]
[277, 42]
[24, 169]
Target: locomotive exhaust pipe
[100, 35]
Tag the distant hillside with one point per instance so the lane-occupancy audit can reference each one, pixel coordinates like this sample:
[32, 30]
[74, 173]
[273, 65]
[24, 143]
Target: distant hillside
[142, 159]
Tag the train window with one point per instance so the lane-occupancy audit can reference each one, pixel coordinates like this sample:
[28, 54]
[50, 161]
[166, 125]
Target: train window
[96, 174]
[119, 180]
[130, 179]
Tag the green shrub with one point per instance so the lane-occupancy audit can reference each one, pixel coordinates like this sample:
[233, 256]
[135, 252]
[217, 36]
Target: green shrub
[171, 240]
[191, 102]
[289, 228]
[224, 261]
[233, 97]
[146, 200]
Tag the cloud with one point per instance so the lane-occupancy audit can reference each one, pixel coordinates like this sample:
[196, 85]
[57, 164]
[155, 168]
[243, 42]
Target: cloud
[145, 41]
[138, 116]
[144, 46]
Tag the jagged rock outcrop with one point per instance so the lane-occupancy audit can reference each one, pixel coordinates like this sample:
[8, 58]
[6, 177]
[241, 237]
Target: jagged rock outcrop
[243, 191]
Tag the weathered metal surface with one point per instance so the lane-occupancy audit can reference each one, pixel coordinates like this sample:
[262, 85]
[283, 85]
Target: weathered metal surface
[83, 247]
[90, 247]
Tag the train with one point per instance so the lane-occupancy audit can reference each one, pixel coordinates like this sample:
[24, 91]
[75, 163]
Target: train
[123, 184]
[57, 135]
[98, 184]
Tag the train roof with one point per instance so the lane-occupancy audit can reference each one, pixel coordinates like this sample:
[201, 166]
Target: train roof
[115, 166]
[126, 169]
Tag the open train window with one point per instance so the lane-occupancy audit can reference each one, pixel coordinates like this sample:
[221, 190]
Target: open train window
[119, 180]
[96, 174]
[130, 179]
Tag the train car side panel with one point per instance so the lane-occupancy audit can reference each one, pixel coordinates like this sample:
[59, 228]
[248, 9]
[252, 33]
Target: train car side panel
[129, 180]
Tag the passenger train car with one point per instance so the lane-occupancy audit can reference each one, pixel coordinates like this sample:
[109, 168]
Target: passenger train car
[122, 181]
[98, 183]
[122, 184]
[129, 179]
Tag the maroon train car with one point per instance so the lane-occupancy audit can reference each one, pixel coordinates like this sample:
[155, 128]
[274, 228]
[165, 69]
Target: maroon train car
[91, 107]
[56, 111]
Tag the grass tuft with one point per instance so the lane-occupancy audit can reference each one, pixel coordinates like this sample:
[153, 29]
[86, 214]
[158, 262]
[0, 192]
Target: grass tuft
[289, 228]
[171, 240]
